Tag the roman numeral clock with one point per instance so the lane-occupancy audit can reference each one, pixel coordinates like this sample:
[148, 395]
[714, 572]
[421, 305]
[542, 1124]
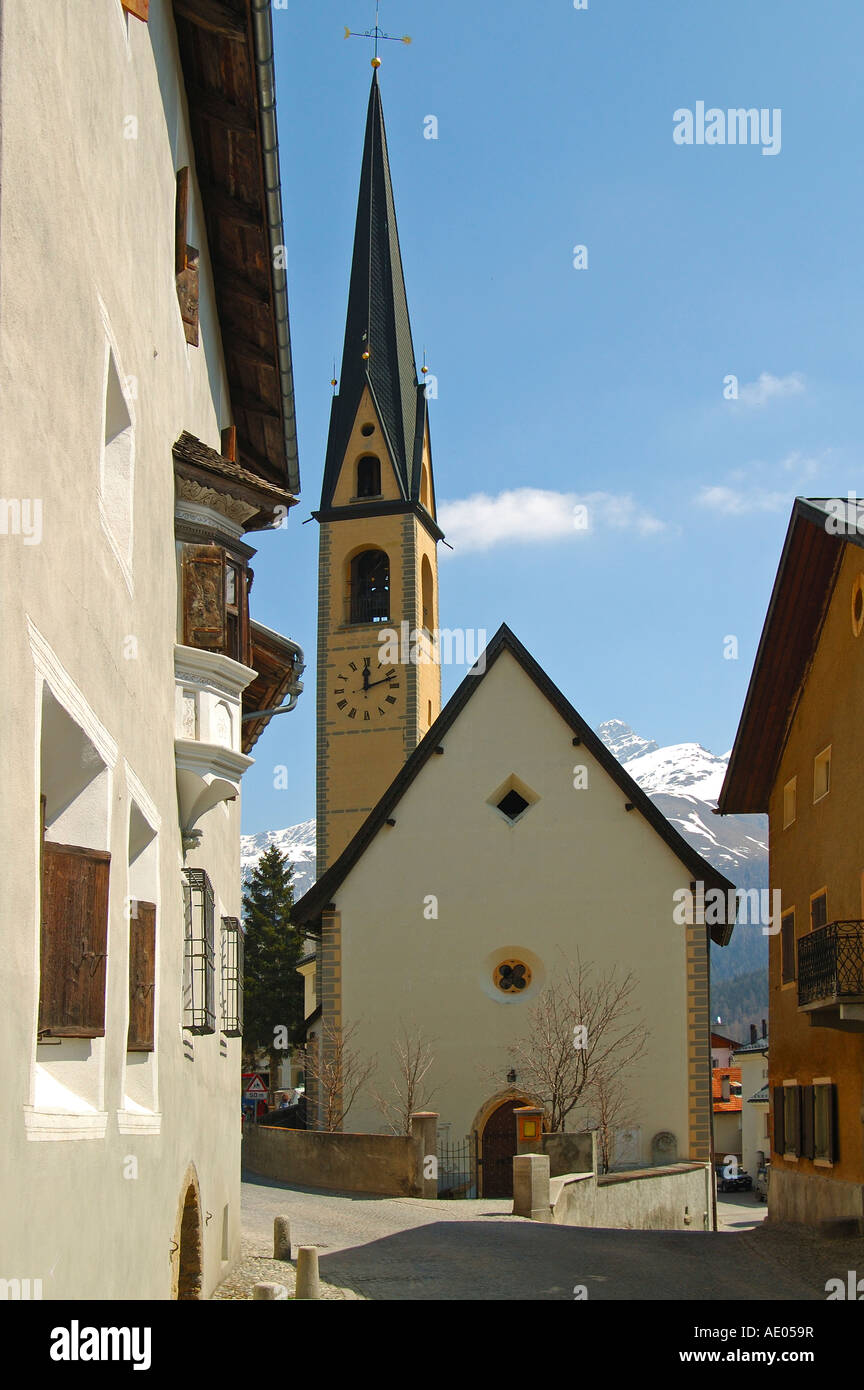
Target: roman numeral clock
[366, 691]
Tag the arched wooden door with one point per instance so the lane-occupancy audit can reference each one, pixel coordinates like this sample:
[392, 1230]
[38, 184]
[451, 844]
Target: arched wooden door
[499, 1149]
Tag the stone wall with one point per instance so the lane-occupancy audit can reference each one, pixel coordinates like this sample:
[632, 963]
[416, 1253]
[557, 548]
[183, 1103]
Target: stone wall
[387, 1165]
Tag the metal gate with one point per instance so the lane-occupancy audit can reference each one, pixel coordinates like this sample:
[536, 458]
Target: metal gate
[457, 1166]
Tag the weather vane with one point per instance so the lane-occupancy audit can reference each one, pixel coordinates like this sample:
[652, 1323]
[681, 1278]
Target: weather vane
[377, 35]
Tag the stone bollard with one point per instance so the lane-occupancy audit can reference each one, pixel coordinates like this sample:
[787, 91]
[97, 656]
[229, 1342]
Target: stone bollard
[531, 1187]
[281, 1238]
[270, 1291]
[308, 1285]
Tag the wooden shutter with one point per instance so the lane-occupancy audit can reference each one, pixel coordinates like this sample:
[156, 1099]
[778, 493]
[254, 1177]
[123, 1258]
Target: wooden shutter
[204, 616]
[185, 261]
[142, 978]
[833, 1126]
[140, 8]
[779, 1121]
[74, 941]
[808, 1122]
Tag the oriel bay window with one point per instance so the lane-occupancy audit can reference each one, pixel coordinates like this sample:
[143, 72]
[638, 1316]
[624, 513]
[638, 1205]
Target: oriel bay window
[73, 941]
[216, 588]
[199, 973]
[232, 977]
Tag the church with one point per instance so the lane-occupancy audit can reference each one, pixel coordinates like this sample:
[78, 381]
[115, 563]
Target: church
[467, 856]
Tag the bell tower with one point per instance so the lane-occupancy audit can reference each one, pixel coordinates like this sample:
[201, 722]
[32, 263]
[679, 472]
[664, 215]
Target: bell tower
[378, 552]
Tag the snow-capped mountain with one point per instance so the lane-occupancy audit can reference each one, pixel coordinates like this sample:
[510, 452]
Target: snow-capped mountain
[683, 780]
[298, 842]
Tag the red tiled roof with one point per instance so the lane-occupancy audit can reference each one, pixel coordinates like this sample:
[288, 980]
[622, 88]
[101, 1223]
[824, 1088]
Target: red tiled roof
[718, 1074]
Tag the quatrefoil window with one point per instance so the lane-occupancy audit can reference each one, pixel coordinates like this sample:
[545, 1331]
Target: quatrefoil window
[512, 976]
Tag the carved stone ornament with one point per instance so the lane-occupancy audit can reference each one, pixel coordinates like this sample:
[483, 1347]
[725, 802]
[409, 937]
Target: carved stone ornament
[236, 511]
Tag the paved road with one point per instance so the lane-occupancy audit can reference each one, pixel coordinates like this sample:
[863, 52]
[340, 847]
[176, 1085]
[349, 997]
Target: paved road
[407, 1249]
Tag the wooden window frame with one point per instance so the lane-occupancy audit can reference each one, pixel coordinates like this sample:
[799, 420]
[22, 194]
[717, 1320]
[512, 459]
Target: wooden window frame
[792, 787]
[792, 1122]
[824, 756]
[825, 1099]
[787, 919]
[814, 897]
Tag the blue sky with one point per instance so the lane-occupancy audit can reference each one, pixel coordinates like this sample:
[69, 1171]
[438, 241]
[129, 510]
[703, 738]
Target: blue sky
[555, 129]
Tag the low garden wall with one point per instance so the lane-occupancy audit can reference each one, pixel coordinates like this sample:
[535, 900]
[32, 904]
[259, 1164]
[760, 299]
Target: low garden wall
[387, 1165]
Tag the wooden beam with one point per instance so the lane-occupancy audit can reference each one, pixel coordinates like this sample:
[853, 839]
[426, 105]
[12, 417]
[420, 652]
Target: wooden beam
[217, 201]
[215, 108]
[229, 281]
[212, 15]
[249, 352]
[241, 400]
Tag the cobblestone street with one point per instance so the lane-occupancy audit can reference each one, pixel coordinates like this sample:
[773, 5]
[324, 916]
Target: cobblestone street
[408, 1249]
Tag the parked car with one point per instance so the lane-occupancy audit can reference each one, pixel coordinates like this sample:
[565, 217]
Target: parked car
[741, 1182]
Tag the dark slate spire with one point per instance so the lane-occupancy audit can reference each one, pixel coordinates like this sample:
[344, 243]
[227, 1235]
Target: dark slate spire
[378, 322]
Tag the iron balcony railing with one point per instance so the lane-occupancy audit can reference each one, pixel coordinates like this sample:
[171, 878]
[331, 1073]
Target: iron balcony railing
[831, 963]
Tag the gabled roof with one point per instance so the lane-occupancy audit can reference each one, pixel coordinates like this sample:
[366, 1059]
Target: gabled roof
[226, 51]
[310, 906]
[811, 558]
[762, 1096]
[378, 323]
[761, 1045]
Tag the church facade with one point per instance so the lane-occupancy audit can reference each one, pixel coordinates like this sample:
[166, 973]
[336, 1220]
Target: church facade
[467, 857]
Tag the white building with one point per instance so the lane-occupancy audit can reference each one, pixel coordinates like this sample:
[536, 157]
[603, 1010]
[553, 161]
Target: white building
[755, 1139]
[146, 413]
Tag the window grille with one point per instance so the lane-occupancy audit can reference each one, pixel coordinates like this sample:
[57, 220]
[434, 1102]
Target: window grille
[199, 1014]
[232, 977]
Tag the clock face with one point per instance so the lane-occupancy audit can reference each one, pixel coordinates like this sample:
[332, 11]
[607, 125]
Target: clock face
[365, 692]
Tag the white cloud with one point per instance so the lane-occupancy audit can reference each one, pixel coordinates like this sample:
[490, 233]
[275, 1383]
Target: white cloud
[529, 515]
[731, 502]
[769, 388]
[761, 487]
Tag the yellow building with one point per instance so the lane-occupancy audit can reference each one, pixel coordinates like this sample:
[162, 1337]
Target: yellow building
[378, 549]
[797, 757]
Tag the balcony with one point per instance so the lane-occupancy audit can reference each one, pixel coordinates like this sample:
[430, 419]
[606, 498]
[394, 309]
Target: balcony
[207, 750]
[831, 976]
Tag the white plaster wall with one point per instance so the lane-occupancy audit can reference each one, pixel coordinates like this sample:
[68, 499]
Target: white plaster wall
[577, 873]
[87, 236]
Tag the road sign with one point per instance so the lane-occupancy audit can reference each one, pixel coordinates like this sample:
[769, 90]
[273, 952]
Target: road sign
[256, 1090]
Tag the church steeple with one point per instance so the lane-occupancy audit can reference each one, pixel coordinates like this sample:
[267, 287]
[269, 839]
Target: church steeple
[378, 352]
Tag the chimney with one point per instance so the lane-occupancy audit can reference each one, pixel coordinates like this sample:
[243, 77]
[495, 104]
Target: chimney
[753, 1034]
[764, 1029]
[724, 1095]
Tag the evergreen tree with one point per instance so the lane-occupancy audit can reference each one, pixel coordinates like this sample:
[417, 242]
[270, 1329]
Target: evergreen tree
[273, 949]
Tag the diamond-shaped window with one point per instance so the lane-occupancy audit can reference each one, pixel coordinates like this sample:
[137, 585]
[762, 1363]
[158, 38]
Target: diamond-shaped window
[513, 798]
[513, 805]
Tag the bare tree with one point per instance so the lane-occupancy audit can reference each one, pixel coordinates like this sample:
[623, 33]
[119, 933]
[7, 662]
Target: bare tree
[583, 1025]
[408, 1090]
[609, 1110]
[339, 1073]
